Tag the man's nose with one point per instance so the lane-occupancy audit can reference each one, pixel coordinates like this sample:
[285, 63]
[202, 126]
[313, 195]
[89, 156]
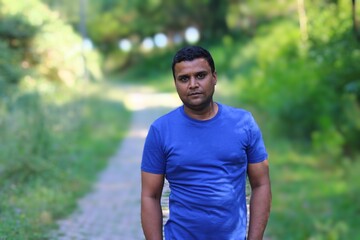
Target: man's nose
[193, 82]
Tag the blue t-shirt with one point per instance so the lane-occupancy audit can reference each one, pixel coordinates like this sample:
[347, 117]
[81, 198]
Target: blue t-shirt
[205, 163]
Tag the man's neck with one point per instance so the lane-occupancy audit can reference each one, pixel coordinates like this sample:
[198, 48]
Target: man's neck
[206, 113]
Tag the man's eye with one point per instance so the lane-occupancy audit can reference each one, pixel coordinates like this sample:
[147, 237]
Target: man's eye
[201, 75]
[183, 79]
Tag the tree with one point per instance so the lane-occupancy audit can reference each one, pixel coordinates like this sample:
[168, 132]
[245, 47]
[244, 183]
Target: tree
[302, 20]
[355, 21]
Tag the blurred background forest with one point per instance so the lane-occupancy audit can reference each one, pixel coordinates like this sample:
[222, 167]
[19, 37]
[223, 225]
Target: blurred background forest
[295, 64]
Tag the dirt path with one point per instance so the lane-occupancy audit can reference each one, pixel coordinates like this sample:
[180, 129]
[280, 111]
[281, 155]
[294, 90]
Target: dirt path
[112, 210]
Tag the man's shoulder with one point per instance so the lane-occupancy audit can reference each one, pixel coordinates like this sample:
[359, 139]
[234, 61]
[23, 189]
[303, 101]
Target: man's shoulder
[171, 116]
[227, 109]
[239, 116]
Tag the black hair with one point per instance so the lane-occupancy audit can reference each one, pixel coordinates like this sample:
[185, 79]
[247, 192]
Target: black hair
[190, 53]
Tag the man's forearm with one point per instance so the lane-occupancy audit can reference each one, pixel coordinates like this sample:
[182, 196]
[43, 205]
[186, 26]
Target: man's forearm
[151, 218]
[260, 204]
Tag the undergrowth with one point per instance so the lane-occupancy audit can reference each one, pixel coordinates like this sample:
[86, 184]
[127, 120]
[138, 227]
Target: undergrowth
[54, 141]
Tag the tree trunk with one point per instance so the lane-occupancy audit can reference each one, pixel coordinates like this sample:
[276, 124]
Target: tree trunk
[355, 21]
[302, 20]
[215, 22]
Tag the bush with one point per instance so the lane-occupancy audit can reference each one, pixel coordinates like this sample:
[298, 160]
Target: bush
[15, 36]
[45, 43]
[10, 70]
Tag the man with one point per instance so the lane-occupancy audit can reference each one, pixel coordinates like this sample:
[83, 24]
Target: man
[205, 150]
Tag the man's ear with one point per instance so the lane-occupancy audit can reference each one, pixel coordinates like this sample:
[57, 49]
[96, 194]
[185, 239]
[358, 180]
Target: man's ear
[215, 77]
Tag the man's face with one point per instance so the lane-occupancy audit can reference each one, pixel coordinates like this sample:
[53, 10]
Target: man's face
[195, 83]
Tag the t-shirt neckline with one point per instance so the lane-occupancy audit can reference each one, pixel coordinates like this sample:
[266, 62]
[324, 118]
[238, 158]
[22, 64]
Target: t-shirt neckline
[182, 110]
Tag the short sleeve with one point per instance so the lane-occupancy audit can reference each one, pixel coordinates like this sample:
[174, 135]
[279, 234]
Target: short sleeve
[153, 160]
[256, 151]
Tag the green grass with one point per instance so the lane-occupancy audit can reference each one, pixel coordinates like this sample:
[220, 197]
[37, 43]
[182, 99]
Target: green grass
[313, 198]
[53, 144]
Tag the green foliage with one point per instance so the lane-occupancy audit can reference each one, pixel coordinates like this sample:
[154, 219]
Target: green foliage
[148, 70]
[244, 17]
[16, 30]
[306, 90]
[282, 79]
[44, 44]
[15, 36]
[51, 148]
[68, 9]
[109, 21]
[10, 71]
[340, 75]
[138, 19]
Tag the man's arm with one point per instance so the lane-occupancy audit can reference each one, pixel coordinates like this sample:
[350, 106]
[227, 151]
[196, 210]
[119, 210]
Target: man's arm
[151, 213]
[260, 201]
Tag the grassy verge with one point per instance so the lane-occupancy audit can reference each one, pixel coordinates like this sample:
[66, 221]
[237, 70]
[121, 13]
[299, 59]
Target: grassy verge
[313, 197]
[54, 141]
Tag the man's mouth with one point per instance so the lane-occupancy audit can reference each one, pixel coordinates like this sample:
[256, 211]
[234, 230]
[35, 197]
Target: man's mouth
[194, 93]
